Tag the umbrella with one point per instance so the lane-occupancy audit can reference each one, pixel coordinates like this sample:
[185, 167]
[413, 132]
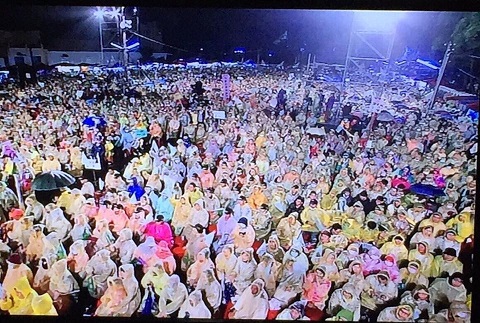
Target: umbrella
[52, 180]
[94, 121]
[385, 116]
[427, 190]
[400, 181]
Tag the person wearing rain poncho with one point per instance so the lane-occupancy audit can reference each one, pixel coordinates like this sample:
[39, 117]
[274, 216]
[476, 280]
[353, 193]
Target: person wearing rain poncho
[316, 288]
[401, 313]
[181, 214]
[273, 248]
[252, 303]
[112, 299]
[327, 262]
[103, 235]
[262, 222]
[81, 229]
[353, 275]
[288, 230]
[35, 245]
[18, 298]
[77, 258]
[212, 288]
[225, 226]
[396, 247]
[244, 271]
[175, 295]
[268, 270]
[155, 282]
[243, 235]
[444, 291]
[62, 286]
[194, 307]
[75, 203]
[463, 224]
[43, 305]
[145, 253]
[226, 262]
[447, 263]
[131, 301]
[295, 312]
[419, 299]
[56, 222]
[378, 290]
[166, 258]
[124, 246]
[34, 208]
[412, 276]
[197, 269]
[98, 269]
[422, 254]
[164, 207]
[458, 312]
[159, 230]
[41, 280]
[345, 298]
[425, 235]
[16, 270]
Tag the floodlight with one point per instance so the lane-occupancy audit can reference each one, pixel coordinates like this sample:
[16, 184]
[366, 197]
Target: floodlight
[99, 13]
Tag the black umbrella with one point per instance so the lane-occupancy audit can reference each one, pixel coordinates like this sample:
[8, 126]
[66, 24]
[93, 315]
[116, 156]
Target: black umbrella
[53, 180]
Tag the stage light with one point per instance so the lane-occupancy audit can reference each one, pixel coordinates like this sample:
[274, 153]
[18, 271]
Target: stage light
[99, 13]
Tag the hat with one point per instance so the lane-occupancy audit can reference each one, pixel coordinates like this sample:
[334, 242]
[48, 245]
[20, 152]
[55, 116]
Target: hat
[243, 221]
[452, 231]
[450, 252]
[15, 259]
[16, 214]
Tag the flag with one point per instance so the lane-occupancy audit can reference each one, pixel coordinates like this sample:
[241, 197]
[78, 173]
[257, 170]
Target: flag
[283, 37]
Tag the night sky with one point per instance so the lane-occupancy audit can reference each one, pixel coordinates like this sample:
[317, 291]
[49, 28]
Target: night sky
[323, 33]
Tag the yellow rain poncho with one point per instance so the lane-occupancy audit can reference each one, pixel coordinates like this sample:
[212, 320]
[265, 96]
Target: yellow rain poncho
[43, 305]
[463, 224]
[19, 299]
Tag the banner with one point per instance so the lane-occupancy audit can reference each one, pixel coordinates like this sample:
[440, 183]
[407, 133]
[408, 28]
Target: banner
[226, 86]
[218, 114]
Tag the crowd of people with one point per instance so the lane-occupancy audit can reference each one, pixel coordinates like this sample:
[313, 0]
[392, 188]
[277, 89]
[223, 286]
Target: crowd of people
[273, 209]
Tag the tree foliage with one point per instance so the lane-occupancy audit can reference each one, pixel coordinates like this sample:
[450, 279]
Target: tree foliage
[466, 35]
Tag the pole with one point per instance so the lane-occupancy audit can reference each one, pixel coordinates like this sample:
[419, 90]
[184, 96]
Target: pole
[308, 63]
[258, 56]
[100, 32]
[347, 59]
[446, 56]
[124, 41]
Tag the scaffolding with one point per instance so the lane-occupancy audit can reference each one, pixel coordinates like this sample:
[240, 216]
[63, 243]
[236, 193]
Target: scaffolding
[368, 54]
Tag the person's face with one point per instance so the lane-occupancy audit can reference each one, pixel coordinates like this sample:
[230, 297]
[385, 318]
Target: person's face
[421, 248]
[254, 289]
[398, 242]
[428, 231]
[191, 188]
[450, 236]
[245, 257]
[382, 280]
[448, 257]
[227, 252]
[324, 238]
[457, 282]
[201, 257]
[403, 314]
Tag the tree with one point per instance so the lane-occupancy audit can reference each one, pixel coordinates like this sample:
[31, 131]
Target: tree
[466, 35]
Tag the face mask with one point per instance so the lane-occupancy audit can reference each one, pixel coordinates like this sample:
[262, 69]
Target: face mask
[412, 270]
